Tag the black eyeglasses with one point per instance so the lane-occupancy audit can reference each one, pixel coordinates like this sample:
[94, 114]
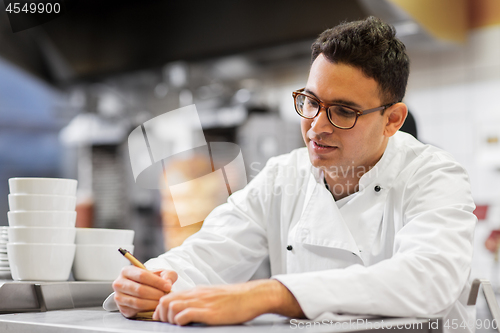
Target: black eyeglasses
[340, 116]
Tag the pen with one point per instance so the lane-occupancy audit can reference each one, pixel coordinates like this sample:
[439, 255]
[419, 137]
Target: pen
[146, 315]
[131, 258]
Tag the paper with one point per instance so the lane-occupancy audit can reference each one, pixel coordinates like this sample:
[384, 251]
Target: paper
[338, 317]
[145, 316]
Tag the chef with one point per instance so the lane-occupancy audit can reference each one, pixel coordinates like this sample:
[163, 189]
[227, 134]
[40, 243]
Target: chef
[364, 220]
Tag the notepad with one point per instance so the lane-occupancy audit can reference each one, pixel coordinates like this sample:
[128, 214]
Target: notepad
[145, 316]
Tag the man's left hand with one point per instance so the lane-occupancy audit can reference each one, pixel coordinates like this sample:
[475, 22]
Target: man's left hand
[227, 304]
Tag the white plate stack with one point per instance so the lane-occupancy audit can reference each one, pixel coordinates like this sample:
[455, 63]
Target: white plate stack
[41, 231]
[4, 260]
[97, 257]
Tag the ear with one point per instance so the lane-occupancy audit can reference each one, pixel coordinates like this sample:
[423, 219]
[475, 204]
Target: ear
[395, 116]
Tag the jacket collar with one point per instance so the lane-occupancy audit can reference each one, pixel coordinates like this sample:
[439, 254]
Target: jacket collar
[321, 223]
[324, 224]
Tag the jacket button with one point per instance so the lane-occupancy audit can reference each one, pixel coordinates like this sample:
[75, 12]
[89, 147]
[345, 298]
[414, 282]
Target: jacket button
[377, 188]
[289, 248]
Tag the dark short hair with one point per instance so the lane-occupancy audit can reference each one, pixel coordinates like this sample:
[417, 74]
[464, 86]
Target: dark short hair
[370, 45]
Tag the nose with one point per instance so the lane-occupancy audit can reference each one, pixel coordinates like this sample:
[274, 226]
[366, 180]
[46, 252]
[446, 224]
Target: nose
[320, 123]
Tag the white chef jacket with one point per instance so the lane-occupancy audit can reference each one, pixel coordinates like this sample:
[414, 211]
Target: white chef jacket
[404, 250]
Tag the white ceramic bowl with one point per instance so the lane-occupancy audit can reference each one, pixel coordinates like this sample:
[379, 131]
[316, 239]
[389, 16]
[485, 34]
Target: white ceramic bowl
[55, 219]
[44, 235]
[97, 262]
[56, 186]
[104, 236]
[40, 262]
[30, 202]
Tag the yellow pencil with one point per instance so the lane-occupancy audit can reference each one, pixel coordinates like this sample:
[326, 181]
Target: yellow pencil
[131, 258]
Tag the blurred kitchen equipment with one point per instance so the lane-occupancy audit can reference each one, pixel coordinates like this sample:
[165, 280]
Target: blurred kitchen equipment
[489, 294]
[265, 135]
[102, 197]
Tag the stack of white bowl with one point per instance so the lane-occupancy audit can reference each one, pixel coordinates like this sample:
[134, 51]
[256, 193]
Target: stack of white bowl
[97, 257]
[41, 229]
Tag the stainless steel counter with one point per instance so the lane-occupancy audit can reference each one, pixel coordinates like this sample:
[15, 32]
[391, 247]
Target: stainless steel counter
[97, 320]
[33, 296]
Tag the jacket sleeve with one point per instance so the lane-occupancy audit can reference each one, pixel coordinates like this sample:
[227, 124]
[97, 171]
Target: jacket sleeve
[431, 258]
[232, 242]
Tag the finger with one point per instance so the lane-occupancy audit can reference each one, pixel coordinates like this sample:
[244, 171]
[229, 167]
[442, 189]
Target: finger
[174, 308]
[135, 289]
[138, 304]
[127, 312]
[161, 310]
[156, 315]
[169, 275]
[188, 297]
[157, 271]
[169, 305]
[160, 313]
[191, 315]
[146, 277]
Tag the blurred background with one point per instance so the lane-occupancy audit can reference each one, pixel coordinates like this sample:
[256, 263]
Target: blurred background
[73, 88]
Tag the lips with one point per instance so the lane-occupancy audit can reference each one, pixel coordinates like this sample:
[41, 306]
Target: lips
[322, 144]
[321, 147]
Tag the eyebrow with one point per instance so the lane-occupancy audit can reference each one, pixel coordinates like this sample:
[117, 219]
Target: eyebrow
[337, 101]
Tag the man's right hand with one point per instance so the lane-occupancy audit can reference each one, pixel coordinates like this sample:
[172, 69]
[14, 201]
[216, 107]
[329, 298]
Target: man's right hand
[138, 290]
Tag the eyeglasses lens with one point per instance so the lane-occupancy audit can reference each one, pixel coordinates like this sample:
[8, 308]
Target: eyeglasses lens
[341, 116]
[306, 106]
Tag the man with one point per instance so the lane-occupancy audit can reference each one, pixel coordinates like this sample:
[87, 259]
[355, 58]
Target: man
[364, 220]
